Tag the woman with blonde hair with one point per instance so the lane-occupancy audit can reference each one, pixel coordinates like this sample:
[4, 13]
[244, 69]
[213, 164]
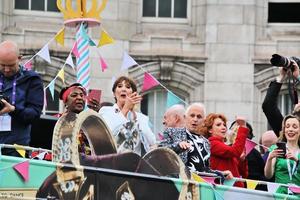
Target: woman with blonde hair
[284, 165]
[224, 157]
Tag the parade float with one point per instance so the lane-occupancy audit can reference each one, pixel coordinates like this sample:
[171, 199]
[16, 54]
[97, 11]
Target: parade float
[106, 174]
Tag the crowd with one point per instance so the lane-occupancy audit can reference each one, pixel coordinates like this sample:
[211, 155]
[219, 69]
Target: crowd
[203, 141]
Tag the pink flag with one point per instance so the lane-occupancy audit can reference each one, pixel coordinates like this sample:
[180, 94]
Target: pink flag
[103, 64]
[28, 65]
[75, 50]
[249, 146]
[149, 82]
[295, 189]
[23, 169]
[209, 179]
[160, 136]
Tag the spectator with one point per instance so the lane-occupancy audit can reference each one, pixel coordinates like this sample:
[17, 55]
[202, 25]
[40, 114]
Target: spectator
[268, 139]
[269, 105]
[189, 143]
[174, 116]
[129, 127]
[224, 157]
[24, 104]
[285, 166]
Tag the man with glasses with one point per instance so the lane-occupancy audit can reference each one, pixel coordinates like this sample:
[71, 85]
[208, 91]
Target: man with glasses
[21, 98]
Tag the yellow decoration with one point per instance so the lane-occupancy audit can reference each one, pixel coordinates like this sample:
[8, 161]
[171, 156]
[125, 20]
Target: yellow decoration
[61, 74]
[20, 149]
[105, 39]
[251, 184]
[80, 10]
[197, 178]
[60, 37]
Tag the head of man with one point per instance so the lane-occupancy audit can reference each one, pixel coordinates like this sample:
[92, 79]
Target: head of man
[174, 116]
[194, 117]
[9, 58]
[268, 138]
[74, 97]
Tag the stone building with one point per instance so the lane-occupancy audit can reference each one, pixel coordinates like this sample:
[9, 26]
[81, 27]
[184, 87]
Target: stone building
[213, 51]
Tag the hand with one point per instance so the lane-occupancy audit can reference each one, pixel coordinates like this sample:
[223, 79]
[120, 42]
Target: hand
[243, 155]
[282, 75]
[296, 69]
[241, 121]
[228, 175]
[94, 104]
[275, 154]
[7, 107]
[184, 145]
[132, 100]
[291, 155]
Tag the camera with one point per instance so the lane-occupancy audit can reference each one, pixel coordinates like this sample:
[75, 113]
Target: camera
[285, 62]
[2, 96]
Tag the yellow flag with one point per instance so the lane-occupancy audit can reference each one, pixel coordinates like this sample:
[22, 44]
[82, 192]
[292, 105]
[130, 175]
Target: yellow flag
[105, 39]
[20, 149]
[61, 74]
[60, 37]
[197, 178]
[251, 184]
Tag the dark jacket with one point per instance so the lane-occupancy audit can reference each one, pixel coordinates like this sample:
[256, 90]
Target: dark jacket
[270, 108]
[28, 106]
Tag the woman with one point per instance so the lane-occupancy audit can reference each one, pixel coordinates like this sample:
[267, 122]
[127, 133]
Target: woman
[130, 128]
[285, 167]
[224, 157]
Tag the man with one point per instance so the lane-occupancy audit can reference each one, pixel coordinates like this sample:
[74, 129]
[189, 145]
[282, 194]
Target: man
[268, 138]
[174, 116]
[23, 98]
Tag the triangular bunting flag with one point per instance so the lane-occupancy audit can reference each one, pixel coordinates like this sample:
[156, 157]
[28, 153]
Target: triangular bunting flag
[75, 50]
[70, 62]
[197, 178]
[249, 146]
[61, 74]
[92, 43]
[127, 62]
[172, 99]
[20, 149]
[103, 64]
[149, 82]
[83, 33]
[251, 184]
[44, 53]
[209, 179]
[51, 88]
[160, 136]
[295, 189]
[60, 37]
[229, 182]
[28, 65]
[105, 39]
[272, 187]
[23, 169]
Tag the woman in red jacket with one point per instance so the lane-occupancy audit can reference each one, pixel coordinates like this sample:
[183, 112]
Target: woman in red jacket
[224, 157]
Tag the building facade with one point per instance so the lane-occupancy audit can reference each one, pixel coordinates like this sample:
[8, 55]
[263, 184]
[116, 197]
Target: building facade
[211, 51]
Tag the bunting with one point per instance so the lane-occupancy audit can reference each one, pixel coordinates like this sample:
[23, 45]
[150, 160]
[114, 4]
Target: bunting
[103, 64]
[249, 146]
[44, 53]
[23, 169]
[51, 88]
[75, 50]
[20, 149]
[61, 74]
[149, 82]
[92, 43]
[83, 63]
[69, 61]
[172, 99]
[272, 187]
[105, 39]
[295, 189]
[60, 37]
[127, 62]
[28, 65]
[251, 184]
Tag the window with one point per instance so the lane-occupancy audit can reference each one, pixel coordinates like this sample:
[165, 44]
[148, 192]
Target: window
[165, 8]
[285, 104]
[280, 12]
[38, 5]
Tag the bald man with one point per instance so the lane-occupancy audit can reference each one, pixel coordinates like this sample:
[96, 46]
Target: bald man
[268, 138]
[174, 117]
[21, 101]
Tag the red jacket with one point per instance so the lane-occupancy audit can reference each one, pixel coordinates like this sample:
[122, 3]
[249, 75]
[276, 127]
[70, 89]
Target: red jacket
[224, 157]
